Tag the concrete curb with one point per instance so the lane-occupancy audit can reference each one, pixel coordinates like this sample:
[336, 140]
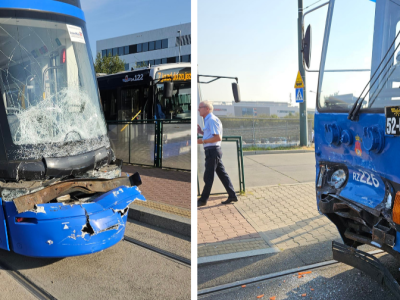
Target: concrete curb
[159, 218]
[245, 153]
[236, 255]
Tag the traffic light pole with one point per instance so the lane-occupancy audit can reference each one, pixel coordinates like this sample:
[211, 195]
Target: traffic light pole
[303, 106]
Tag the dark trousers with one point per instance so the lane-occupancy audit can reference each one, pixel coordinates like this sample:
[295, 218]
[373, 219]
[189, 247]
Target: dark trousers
[214, 164]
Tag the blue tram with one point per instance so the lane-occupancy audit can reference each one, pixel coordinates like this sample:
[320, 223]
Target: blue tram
[60, 185]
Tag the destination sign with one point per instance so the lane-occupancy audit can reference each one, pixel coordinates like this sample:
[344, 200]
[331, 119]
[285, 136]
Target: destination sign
[177, 74]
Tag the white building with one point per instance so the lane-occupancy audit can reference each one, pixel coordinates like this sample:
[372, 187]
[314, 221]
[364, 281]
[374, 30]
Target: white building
[156, 47]
[257, 108]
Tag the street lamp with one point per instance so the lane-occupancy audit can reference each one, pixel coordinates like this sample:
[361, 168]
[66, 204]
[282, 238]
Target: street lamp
[180, 41]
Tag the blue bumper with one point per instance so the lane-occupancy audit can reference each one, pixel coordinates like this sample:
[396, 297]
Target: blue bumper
[61, 230]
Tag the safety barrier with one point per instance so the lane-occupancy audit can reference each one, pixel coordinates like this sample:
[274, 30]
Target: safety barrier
[232, 152]
[158, 143]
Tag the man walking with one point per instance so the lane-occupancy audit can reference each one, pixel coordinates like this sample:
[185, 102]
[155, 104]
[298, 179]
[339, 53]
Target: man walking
[211, 141]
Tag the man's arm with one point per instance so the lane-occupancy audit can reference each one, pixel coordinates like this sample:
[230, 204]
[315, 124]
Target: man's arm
[214, 139]
[199, 131]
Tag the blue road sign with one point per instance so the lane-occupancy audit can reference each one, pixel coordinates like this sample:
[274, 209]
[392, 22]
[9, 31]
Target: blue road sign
[300, 95]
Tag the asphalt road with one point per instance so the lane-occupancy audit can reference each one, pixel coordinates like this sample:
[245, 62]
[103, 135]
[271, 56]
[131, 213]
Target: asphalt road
[337, 281]
[124, 271]
[272, 169]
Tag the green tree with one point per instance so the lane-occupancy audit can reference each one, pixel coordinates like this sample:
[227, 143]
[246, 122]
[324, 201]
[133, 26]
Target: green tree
[108, 64]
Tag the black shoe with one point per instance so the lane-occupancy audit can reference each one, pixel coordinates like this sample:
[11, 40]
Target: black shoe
[201, 203]
[230, 200]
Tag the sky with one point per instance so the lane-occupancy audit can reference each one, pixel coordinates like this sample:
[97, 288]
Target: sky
[256, 42]
[111, 18]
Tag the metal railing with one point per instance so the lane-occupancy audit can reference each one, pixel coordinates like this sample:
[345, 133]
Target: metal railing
[232, 148]
[157, 143]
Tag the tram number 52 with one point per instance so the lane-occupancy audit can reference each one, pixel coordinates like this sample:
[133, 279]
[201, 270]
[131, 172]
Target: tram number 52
[365, 177]
[391, 126]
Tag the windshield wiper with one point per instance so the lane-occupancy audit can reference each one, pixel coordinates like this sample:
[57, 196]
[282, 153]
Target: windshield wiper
[353, 114]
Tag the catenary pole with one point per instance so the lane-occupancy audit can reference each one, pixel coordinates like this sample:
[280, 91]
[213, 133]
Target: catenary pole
[303, 106]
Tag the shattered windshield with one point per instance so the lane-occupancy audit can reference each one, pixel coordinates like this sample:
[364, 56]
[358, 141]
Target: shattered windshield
[47, 83]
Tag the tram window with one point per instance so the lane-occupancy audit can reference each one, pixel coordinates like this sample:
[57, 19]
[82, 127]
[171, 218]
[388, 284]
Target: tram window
[145, 47]
[103, 53]
[151, 46]
[158, 44]
[165, 43]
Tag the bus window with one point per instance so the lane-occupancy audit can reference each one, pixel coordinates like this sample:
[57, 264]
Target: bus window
[179, 106]
[129, 105]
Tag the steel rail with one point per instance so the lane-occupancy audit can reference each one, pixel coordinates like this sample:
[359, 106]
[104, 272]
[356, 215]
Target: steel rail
[228, 286]
[29, 285]
[169, 255]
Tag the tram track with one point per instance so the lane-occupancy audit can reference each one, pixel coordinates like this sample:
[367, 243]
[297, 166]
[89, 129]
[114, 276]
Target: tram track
[228, 286]
[26, 283]
[172, 256]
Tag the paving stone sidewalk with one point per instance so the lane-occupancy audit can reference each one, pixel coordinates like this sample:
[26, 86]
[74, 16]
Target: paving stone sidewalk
[166, 190]
[280, 217]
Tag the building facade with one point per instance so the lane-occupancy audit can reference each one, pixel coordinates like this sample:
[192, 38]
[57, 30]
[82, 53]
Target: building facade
[256, 108]
[165, 45]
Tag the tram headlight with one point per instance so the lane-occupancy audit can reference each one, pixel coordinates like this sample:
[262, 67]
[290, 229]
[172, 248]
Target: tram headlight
[337, 179]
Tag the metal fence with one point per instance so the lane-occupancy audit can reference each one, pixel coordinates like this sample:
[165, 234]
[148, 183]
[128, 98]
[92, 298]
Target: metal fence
[233, 161]
[266, 131]
[158, 143]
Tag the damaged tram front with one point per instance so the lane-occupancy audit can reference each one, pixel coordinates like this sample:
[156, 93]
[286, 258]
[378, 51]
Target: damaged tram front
[61, 190]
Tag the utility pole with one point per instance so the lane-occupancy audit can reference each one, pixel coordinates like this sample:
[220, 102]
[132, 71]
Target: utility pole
[180, 42]
[303, 106]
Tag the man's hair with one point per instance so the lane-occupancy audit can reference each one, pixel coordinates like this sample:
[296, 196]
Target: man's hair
[208, 104]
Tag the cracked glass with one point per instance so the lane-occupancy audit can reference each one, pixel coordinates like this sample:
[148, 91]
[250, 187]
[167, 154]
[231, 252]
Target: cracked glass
[47, 83]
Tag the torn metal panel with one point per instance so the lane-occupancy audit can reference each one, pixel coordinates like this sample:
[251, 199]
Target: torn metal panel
[27, 202]
[75, 229]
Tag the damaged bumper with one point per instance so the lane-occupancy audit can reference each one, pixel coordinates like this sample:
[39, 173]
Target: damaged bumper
[62, 229]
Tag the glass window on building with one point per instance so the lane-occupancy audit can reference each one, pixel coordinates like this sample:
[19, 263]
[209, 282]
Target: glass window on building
[151, 62]
[126, 50]
[133, 49]
[114, 51]
[139, 48]
[164, 61]
[171, 60]
[152, 46]
[158, 44]
[164, 43]
[145, 47]
[121, 51]
[109, 52]
[103, 53]
[185, 58]
[157, 62]
[126, 67]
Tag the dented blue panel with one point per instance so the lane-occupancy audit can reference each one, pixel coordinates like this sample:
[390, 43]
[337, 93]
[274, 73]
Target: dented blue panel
[3, 229]
[379, 163]
[364, 186]
[59, 230]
